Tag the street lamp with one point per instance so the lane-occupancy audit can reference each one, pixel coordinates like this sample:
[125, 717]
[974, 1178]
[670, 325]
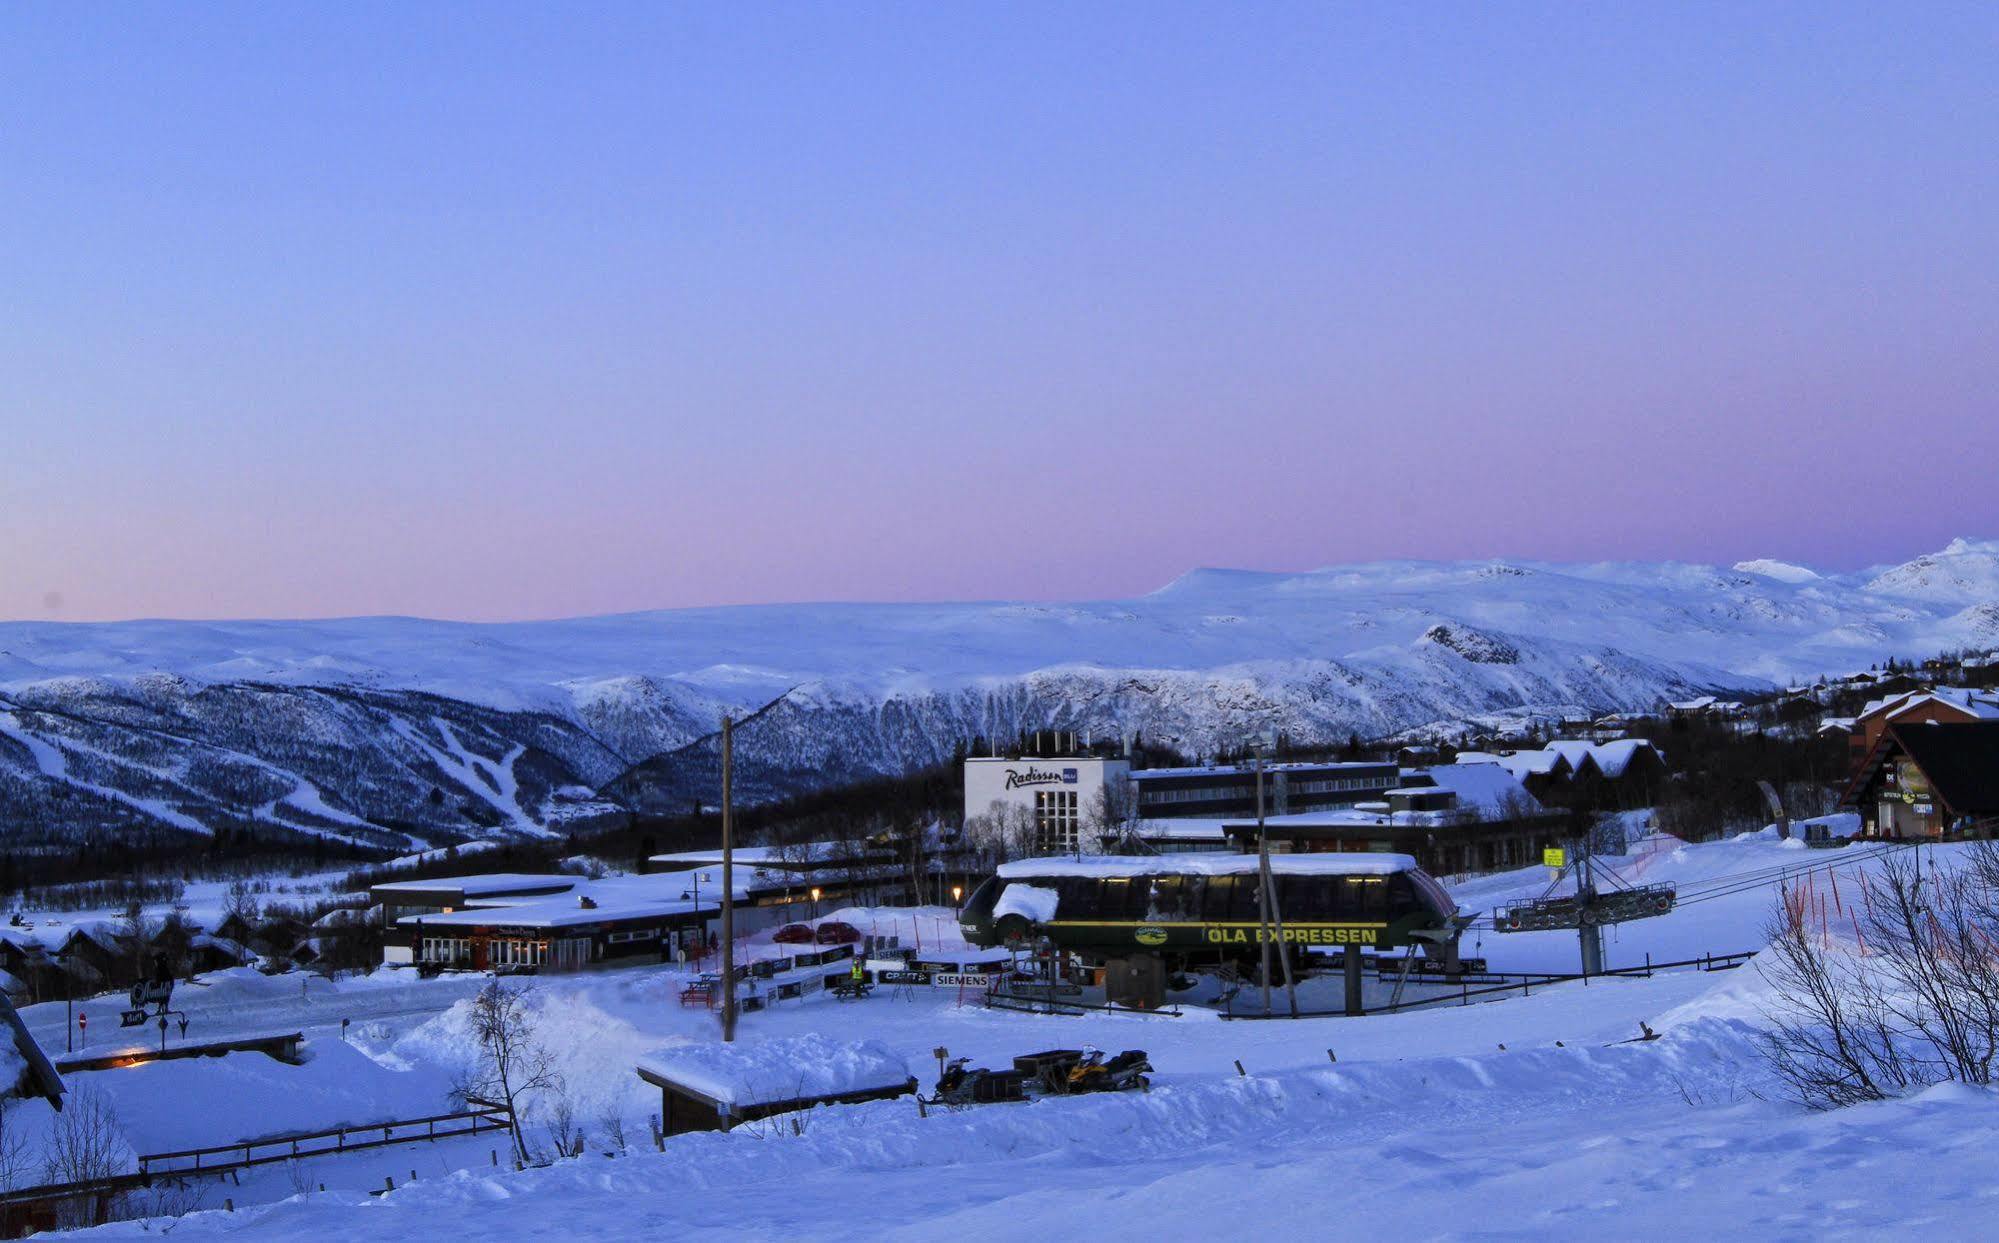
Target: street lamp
[815, 901]
[957, 892]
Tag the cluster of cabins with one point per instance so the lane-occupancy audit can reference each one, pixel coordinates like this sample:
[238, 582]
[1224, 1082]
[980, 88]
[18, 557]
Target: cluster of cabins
[1923, 758]
[54, 961]
[1618, 772]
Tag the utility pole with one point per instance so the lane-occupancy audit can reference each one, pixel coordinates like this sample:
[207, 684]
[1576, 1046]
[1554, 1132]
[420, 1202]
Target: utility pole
[728, 887]
[1587, 926]
[1272, 917]
[1263, 883]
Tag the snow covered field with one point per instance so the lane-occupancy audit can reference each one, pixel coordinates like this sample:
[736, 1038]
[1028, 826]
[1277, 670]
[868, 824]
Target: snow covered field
[1533, 1117]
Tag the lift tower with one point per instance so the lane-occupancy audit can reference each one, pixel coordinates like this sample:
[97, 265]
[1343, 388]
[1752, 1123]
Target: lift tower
[1588, 909]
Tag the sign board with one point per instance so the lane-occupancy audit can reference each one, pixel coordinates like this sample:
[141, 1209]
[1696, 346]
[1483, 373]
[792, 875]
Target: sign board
[132, 1018]
[902, 977]
[152, 992]
[955, 979]
[1554, 857]
[1915, 785]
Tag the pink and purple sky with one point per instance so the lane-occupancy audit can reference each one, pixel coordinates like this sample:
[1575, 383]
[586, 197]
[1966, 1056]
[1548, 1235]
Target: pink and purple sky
[524, 311]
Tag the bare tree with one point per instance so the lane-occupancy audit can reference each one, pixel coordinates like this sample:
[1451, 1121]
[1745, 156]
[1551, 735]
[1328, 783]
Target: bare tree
[1932, 934]
[240, 900]
[13, 1147]
[565, 1130]
[611, 1121]
[136, 933]
[83, 1146]
[1001, 832]
[513, 1066]
[1111, 811]
[1828, 1036]
[1920, 1006]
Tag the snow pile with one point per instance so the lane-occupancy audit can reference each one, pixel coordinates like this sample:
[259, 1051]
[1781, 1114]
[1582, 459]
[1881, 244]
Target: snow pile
[789, 1069]
[1031, 902]
[592, 1046]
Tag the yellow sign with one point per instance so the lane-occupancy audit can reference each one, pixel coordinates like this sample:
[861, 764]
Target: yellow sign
[1554, 857]
[1297, 936]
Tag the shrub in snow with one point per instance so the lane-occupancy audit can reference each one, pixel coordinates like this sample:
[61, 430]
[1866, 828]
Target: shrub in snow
[1912, 1000]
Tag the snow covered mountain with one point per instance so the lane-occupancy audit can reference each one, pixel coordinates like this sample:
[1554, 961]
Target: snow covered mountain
[392, 729]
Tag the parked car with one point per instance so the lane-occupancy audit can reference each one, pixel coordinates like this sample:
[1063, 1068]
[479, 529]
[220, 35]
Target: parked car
[793, 934]
[833, 932]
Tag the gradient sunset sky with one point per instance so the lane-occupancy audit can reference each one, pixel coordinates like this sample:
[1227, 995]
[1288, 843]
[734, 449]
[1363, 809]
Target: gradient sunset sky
[506, 311]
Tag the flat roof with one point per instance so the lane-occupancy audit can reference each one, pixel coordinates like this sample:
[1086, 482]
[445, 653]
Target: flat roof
[483, 884]
[618, 899]
[1289, 766]
[1208, 864]
[1176, 826]
[769, 1072]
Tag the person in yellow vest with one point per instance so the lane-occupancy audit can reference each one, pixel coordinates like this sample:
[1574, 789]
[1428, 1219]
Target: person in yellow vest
[857, 973]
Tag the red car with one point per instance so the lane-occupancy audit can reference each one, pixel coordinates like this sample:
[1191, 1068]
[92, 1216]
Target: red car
[833, 932]
[793, 934]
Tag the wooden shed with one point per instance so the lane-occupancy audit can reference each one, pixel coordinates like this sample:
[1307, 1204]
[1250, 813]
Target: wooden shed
[715, 1087]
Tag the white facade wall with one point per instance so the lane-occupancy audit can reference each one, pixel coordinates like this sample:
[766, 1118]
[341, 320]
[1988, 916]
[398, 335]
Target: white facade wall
[1060, 792]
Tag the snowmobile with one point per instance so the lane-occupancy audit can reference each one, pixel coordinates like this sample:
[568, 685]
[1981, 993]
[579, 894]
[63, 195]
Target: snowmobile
[962, 1084]
[1092, 1073]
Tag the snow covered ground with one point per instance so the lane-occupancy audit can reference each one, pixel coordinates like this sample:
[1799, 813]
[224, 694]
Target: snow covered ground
[1534, 1117]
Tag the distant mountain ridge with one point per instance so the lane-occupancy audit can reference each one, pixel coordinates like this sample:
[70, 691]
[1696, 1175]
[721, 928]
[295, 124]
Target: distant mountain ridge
[393, 730]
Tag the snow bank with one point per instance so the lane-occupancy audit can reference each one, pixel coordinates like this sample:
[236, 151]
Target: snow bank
[762, 1072]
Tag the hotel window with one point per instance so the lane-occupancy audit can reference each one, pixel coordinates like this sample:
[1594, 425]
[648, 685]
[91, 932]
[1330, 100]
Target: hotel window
[1056, 821]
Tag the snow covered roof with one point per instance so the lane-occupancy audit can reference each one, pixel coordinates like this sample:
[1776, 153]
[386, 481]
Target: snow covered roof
[484, 884]
[617, 898]
[1489, 789]
[1613, 757]
[22, 1062]
[1111, 867]
[1214, 770]
[1981, 705]
[100, 932]
[1033, 903]
[768, 1072]
[1170, 827]
[1574, 750]
[1522, 764]
[203, 940]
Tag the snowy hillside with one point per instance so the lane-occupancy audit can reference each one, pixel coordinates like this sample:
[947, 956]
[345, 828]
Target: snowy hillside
[396, 728]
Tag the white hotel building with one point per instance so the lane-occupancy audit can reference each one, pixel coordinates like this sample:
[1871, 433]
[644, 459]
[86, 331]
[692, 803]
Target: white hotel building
[1059, 792]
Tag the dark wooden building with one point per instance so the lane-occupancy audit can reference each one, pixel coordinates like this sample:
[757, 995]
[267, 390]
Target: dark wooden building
[717, 1087]
[1928, 780]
